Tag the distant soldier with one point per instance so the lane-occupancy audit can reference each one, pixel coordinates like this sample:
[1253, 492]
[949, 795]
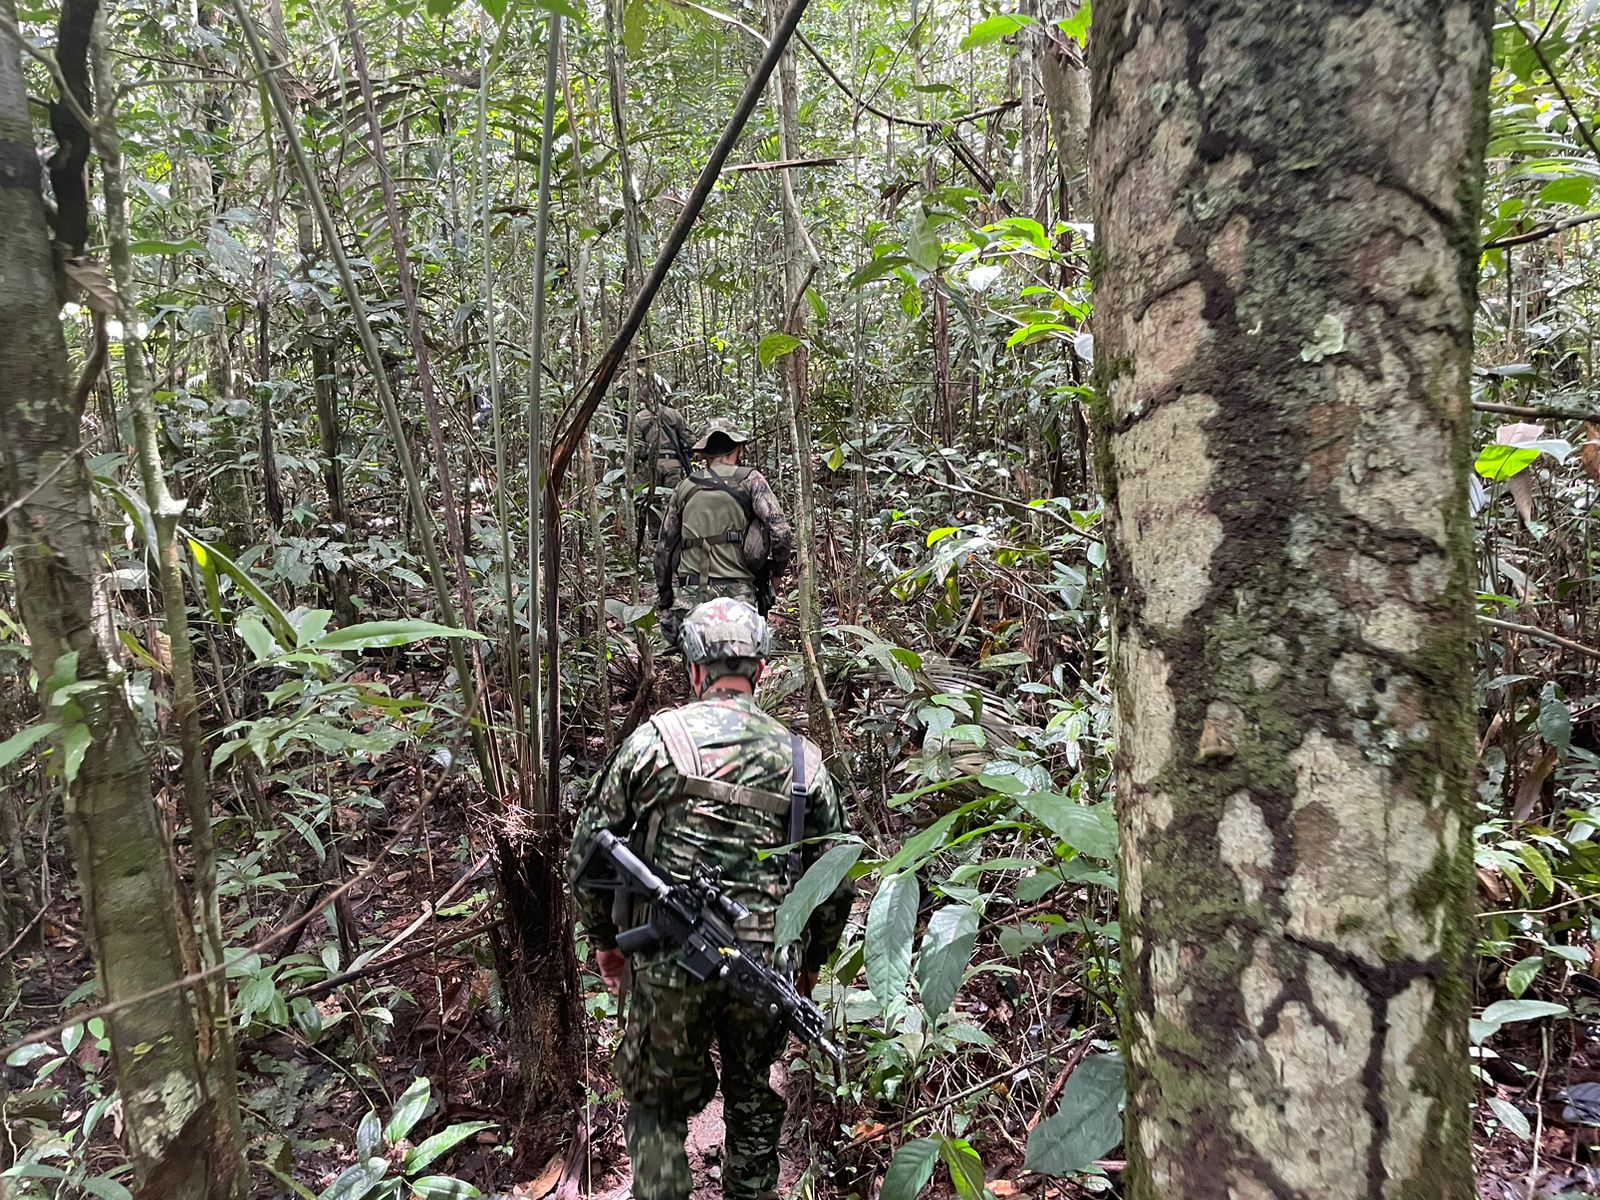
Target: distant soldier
[661, 448]
[717, 783]
[723, 534]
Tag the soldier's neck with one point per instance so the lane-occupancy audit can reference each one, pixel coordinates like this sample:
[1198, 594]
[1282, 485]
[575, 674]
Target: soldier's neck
[727, 688]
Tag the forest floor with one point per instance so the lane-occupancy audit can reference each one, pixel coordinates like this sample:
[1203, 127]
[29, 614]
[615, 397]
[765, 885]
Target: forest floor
[305, 1091]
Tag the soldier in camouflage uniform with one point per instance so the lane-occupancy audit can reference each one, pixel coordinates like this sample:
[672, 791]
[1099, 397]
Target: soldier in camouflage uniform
[723, 533]
[708, 783]
[661, 448]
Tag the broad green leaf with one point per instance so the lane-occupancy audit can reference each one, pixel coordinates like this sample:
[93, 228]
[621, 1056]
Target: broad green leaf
[156, 247]
[425, 1152]
[1511, 1117]
[910, 1170]
[255, 635]
[1572, 190]
[1028, 230]
[18, 744]
[1497, 462]
[495, 8]
[1076, 26]
[358, 1181]
[106, 1188]
[633, 19]
[443, 1187]
[815, 886]
[1523, 974]
[1555, 719]
[891, 924]
[1029, 334]
[938, 535]
[774, 346]
[985, 33]
[835, 458]
[75, 741]
[923, 242]
[965, 1166]
[1090, 831]
[312, 625]
[567, 9]
[878, 268]
[373, 635]
[408, 1110]
[201, 554]
[1504, 1012]
[1011, 658]
[1538, 866]
[946, 953]
[1087, 1126]
[277, 619]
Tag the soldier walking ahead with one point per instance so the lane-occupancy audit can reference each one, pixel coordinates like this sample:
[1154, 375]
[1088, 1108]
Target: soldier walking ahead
[711, 784]
[723, 534]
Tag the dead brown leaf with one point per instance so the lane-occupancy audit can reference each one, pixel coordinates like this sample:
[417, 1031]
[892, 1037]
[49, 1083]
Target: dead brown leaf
[1522, 495]
[1532, 785]
[542, 1186]
[1589, 455]
[1493, 885]
[92, 282]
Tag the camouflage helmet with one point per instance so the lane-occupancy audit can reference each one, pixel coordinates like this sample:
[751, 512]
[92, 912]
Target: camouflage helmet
[724, 629]
[721, 428]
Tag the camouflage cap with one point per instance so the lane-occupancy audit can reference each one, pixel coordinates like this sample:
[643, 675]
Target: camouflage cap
[721, 428]
[723, 629]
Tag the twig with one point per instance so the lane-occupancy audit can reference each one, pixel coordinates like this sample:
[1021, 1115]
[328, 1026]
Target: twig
[1536, 44]
[996, 498]
[432, 909]
[1534, 411]
[26, 930]
[1538, 1107]
[266, 943]
[982, 1085]
[383, 964]
[1540, 232]
[1067, 1068]
[830, 161]
[1542, 635]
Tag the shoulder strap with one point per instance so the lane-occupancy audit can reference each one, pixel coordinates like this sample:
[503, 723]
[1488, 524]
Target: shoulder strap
[680, 745]
[714, 481]
[798, 787]
[685, 757]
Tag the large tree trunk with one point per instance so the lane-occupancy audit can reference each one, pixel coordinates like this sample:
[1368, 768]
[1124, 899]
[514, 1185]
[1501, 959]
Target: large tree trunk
[178, 1137]
[1287, 223]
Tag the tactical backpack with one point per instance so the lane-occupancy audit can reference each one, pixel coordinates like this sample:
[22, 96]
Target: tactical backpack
[717, 518]
[758, 821]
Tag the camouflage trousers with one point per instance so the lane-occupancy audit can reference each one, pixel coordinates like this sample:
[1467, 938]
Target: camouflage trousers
[686, 599]
[666, 1071]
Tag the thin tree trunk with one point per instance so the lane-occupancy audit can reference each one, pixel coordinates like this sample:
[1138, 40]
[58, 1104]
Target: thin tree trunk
[179, 1138]
[1292, 616]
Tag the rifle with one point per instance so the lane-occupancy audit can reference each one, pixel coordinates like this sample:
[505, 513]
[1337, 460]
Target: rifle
[697, 917]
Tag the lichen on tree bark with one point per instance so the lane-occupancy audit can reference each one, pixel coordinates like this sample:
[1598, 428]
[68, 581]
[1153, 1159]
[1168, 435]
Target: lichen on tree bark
[1287, 222]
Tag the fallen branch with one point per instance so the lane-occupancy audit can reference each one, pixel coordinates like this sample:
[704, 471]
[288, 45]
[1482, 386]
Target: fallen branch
[1541, 635]
[1540, 232]
[1535, 412]
[832, 161]
[379, 966]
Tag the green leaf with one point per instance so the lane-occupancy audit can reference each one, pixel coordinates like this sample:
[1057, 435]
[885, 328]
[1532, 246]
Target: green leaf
[1499, 462]
[408, 1110]
[75, 743]
[1511, 1117]
[1087, 1126]
[425, 1152]
[965, 1166]
[373, 635]
[106, 1188]
[1029, 334]
[567, 9]
[255, 635]
[878, 268]
[891, 923]
[1504, 1012]
[774, 346]
[938, 535]
[1090, 831]
[282, 629]
[18, 744]
[985, 33]
[815, 886]
[835, 458]
[1011, 658]
[1027, 229]
[148, 246]
[946, 953]
[358, 1181]
[1574, 190]
[1555, 719]
[208, 572]
[1539, 866]
[1523, 974]
[634, 13]
[495, 8]
[1076, 26]
[923, 243]
[910, 1170]
[443, 1187]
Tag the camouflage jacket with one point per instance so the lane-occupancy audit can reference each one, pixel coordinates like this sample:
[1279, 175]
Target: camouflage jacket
[660, 437]
[640, 795]
[778, 533]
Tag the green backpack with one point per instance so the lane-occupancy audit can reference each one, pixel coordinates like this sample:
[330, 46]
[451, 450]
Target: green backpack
[716, 512]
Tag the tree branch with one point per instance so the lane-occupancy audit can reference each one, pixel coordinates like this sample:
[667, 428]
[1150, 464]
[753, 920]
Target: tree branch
[1540, 232]
[1541, 635]
[1534, 411]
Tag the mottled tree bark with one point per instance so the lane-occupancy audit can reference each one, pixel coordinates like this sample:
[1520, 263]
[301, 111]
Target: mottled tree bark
[178, 1136]
[1287, 223]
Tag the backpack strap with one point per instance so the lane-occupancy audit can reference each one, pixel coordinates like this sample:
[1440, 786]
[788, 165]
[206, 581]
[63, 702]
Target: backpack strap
[798, 787]
[685, 757]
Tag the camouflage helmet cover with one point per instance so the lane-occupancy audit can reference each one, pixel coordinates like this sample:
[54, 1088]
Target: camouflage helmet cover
[724, 629]
[726, 429]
